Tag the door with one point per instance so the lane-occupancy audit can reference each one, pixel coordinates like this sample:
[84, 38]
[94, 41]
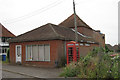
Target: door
[18, 53]
[72, 51]
[70, 54]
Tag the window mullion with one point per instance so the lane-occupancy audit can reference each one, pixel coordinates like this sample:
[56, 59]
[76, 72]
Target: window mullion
[26, 53]
[38, 52]
[44, 52]
[31, 53]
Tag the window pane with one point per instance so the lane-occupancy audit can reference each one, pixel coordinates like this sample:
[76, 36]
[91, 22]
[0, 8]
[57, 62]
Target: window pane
[18, 51]
[81, 44]
[35, 53]
[29, 56]
[41, 52]
[38, 53]
[47, 52]
[70, 54]
[87, 44]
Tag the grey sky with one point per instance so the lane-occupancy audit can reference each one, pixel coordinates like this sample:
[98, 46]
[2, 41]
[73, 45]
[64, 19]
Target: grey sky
[20, 16]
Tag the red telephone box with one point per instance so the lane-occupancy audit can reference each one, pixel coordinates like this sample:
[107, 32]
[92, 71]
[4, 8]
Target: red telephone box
[72, 51]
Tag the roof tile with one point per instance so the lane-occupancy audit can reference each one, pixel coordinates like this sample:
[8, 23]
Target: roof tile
[49, 32]
[4, 32]
[69, 22]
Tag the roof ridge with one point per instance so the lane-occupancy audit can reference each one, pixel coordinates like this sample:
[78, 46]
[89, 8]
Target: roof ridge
[31, 30]
[84, 22]
[53, 29]
[80, 22]
[65, 19]
[49, 32]
[58, 35]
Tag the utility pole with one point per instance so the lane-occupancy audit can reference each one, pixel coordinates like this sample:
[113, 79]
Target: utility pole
[75, 22]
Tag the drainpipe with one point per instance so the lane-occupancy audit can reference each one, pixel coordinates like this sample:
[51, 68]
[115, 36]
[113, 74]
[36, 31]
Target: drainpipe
[65, 48]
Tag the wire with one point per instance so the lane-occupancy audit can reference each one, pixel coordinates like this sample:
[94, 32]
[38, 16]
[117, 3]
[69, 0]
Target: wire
[37, 12]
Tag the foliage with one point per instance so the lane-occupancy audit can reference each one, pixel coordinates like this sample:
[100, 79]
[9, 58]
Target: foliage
[118, 48]
[71, 70]
[62, 62]
[107, 49]
[97, 64]
[8, 55]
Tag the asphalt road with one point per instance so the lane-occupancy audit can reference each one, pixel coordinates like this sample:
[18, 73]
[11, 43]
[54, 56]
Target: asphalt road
[10, 72]
[7, 74]
[19, 71]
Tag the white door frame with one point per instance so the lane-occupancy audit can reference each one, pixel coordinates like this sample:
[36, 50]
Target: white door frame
[19, 59]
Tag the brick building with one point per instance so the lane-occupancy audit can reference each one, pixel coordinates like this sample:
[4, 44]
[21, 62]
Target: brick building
[46, 45]
[5, 35]
[85, 29]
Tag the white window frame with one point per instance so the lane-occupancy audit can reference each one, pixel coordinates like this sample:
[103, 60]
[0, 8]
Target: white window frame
[27, 51]
[38, 53]
[81, 44]
[44, 52]
[86, 44]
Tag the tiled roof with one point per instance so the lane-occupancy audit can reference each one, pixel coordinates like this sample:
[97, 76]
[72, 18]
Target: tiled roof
[115, 47]
[49, 32]
[4, 32]
[69, 22]
[109, 46]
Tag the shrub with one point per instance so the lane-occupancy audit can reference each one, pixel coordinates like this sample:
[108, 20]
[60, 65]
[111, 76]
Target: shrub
[107, 49]
[97, 64]
[62, 62]
[8, 54]
[71, 70]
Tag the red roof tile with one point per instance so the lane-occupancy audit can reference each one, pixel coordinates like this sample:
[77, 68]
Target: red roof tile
[49, 32]
[4, 32]
[69, 22]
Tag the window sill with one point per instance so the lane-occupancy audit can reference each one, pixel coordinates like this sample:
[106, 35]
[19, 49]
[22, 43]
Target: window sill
[38, 61]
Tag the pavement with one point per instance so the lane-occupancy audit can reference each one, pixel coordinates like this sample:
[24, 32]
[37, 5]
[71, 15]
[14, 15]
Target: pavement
[19, 71]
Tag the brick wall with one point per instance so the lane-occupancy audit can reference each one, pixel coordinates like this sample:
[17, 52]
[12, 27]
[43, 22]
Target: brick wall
[55, 49]
[84, 50]
[97, 36]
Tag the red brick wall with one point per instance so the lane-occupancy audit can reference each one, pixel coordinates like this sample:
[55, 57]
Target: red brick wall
[60, 50]
[12, 53]
[55, 49]
[84, 50]
[96, 35]
[99, 37]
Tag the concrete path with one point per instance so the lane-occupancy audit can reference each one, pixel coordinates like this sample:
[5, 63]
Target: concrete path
[32, 71]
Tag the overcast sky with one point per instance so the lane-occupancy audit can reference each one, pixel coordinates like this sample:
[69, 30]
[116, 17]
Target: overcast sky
[20, 16]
